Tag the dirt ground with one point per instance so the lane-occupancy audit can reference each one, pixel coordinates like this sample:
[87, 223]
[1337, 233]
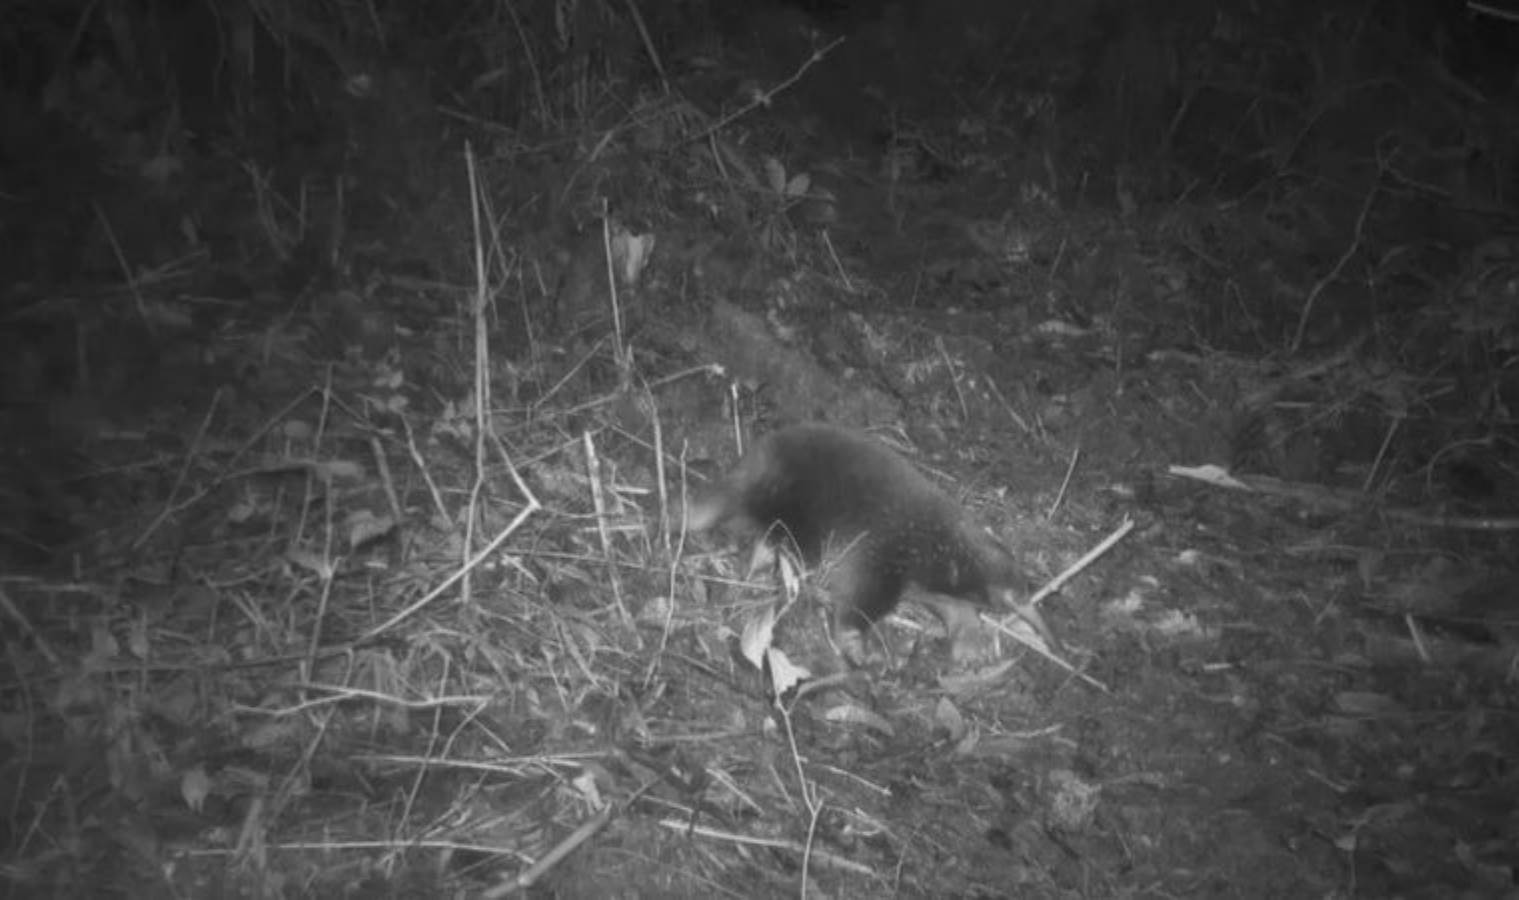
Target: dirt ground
[356, 366]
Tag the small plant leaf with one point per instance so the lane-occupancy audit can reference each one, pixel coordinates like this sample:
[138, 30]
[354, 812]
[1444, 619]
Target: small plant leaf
[775, 175]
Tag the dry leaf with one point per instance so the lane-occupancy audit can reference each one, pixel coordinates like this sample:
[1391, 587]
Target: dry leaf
[585, 785]
[784, 674]
[1073, 801]
[335, 470]
[194, 787]
[850, 714]
[309, 561]
[364, 526]
[948, 717]
[775, 174]
[759, 633]
[138, 643]
[1209, 474]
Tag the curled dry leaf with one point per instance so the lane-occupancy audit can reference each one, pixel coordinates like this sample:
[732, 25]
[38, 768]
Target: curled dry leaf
[852, 714]
[791, 576]
[785, 675]
[759, 634]
[968, 743]
[311, 562]
[631, 254]
[948, 717]
[364, 526]
[585, 785]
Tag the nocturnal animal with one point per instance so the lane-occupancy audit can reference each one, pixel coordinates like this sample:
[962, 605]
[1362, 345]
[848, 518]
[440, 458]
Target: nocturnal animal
[822, 487]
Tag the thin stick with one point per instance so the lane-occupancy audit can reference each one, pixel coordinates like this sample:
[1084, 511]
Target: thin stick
[709, 369]
[1065, 482]
[184, 471]
[567, 377]
[1040, 647]
[532, 63]
[954, 378]
[482, 364]
[745, 840]
[434, 738]
[763, 98]
[1029, 609]
[1417, 636]
[659, 471]
[387, 482]
[269, 424]
[21, 620]
[421, 464]
[484, 433]
[738, 427]
[606, 248]
[1376, 464]
[339, 693]
[529, 876]
[1492, 9]
[675, 557]
[327, 570]
[1339, 266]
[837, 263]
[485, 553]
[126, 268]
[1075, 568]
[648, 44]
[599, 506]
[997, 392]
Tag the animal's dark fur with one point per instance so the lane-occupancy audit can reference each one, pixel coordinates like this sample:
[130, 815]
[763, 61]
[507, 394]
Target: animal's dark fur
[824, 487]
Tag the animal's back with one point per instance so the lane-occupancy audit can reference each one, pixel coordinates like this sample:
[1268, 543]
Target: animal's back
[827, 484]
[830, 488]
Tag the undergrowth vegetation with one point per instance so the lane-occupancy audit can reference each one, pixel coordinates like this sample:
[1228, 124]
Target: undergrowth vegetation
[358, 360]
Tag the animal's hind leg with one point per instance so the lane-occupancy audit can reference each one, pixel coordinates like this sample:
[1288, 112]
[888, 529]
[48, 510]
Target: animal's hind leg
[861, 591]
